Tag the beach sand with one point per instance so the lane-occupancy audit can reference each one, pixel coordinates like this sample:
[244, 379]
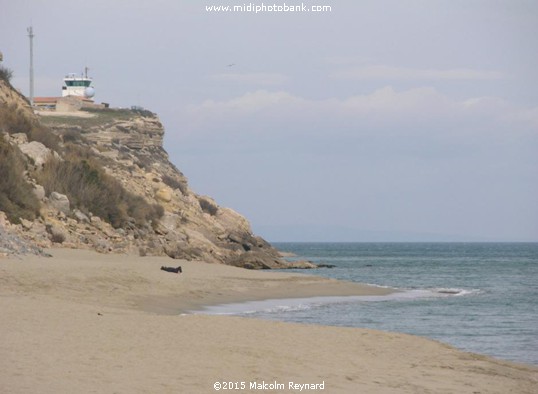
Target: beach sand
[82, 322]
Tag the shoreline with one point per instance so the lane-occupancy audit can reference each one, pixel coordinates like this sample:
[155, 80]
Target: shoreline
[136, 282]
[85, 322]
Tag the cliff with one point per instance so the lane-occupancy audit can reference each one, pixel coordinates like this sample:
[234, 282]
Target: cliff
[102, 180]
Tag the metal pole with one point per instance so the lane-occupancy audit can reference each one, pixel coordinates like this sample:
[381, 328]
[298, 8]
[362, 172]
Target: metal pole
[31, 35]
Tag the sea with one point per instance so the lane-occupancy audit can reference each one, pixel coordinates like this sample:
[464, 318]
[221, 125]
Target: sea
[478, 297]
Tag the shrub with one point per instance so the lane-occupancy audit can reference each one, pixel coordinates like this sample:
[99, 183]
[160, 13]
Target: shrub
[208, 207]
[72, 136]
[57, 237]
[17, 199]
[143, 112]
[144, 163]
[175, 183]
[6, 74]
[141, 211]
[45, 136]
[14, 120]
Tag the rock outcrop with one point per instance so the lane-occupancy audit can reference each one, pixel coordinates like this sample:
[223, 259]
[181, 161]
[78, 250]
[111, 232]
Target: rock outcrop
[128, 144]
[36, 151]
[12, 244]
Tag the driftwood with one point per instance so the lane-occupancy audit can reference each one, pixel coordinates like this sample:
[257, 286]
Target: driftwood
[172, 269]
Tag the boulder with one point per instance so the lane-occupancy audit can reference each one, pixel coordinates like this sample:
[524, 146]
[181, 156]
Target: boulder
[19, 138]
[57, 234]
[232, 221]
[26, 224]
[256, 260]
[96, 220]
[301, 264]
[182, 250]
[39, 192]
[170, 221]
[80, 216]
[240, 241]
[36, 151]
[101, 245]
[163, 194]
[60, 202]
[12, 244]
[167, 224]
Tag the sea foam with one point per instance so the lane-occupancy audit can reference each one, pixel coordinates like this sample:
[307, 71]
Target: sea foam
[291, 304]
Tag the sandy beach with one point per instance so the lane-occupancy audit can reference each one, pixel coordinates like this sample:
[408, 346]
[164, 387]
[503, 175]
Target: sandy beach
[82, 322]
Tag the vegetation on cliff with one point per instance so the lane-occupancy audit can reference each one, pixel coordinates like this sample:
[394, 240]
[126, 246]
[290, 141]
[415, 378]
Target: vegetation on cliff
[6, 74]
[74, 171]
[99, 117]
[16, 197]
[82, 178]
[14, 119]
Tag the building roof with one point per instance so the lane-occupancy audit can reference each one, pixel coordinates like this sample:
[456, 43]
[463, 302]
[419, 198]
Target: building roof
[45, 99]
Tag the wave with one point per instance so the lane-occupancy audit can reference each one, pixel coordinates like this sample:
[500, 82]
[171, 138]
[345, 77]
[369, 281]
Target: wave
[456, 292]
[272, 305]
[297, 304]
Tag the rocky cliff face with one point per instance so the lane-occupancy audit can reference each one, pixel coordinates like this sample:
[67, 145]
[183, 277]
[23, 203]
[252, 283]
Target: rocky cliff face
[128, 144]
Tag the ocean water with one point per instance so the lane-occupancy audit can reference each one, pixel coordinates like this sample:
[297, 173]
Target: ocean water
[479, 297]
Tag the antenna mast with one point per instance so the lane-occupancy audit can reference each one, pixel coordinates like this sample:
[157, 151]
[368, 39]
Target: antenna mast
[30, 31]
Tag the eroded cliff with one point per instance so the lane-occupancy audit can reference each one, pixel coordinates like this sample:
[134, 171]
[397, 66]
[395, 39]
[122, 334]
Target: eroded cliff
[121, 150]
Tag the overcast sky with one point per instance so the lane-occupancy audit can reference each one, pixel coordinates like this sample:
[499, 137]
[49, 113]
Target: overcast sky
[379, 120]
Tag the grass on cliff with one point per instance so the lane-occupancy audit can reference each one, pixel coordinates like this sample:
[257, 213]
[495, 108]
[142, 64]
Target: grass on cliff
[100, 117]
[15, 120]
[91, 189]
[6, 74]
[16, 197]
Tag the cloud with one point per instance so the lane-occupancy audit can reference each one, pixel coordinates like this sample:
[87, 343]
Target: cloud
[383, 105]
[399, 73]
[263, 79]
[424, 102]
[251, 102]
[348, 60]
[502, 110]
[407, 120]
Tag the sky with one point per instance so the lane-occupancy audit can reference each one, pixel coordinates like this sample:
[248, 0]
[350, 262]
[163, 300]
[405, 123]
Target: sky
[382, 120]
